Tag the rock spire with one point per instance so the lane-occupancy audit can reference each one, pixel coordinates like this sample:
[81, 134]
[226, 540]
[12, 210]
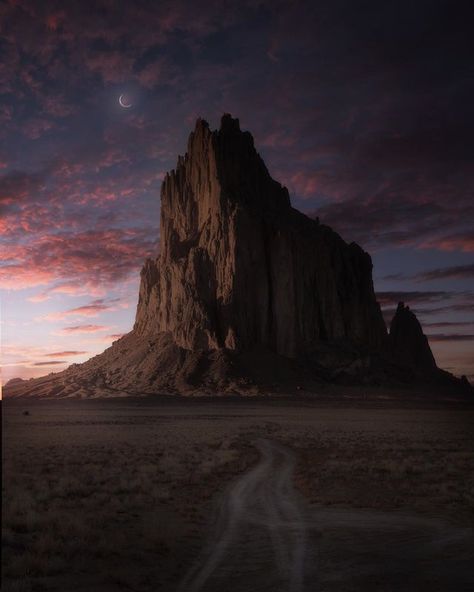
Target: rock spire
[239, 267]
[409, 344]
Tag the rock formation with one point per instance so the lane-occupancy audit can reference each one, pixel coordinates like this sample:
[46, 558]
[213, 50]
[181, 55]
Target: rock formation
[409, 344]
[247, 294]
[239, 267]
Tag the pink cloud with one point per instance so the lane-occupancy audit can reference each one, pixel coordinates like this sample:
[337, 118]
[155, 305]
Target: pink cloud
[19, 277]
[461, 242]
[157, 72]
[83, 329]
[77, 289]
[55, 20]
[6, 113]
[115, 336]
[65, 354]
[40, 297]
[277, 140]
[27, 361]
[113, 66]
[35, 127]
[304, 184]
[57, 106]
[97, 258]
[50, 363]
[16, 186]
[105, 339]
[90, 310]
[111, 156]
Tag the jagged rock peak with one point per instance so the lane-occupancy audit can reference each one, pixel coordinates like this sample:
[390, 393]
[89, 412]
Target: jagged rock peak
[239, 267]
[409, 343]
[229, 124]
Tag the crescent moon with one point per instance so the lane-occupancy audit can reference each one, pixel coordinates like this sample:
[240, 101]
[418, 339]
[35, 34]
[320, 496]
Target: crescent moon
[123, 103]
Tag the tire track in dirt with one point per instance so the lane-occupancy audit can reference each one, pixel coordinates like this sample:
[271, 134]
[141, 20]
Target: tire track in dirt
[264, 498]
[268, 539]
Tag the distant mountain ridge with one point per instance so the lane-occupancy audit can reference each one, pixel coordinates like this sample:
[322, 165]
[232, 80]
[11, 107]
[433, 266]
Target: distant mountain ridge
[247, 295]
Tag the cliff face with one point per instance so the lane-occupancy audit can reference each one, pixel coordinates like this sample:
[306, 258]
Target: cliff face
[239, 267]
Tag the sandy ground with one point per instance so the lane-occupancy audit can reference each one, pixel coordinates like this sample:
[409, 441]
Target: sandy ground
[237, 496]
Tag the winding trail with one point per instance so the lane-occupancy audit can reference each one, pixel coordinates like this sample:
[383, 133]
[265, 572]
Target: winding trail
[267, 539]
[262, 500]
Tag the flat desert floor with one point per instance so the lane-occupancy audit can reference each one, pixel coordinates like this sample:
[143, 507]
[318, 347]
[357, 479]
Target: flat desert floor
[237, 495]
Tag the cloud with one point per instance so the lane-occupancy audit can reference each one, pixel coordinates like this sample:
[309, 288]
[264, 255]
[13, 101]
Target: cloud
[73, 288]
[40, 297]
[115, 336]
[35, 127]
[83, 329]
[426, 304]
[18, 277]
[449, 337]
[26, 360]
[460, 307]
[51, 363]
[113, 66]
[65, 354]
[394, 217]
[157, 72]
[304, 184]
[454, 242]
[96, 257]
[453, 272]
[411, 297]
[105, 338]
[94, 309]
[55, 19]
[57, 106]
[16, 186]
[89, 310]
[442, 324]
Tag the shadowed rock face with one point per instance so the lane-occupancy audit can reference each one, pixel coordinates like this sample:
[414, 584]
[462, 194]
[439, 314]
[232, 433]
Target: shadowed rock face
[239, 267]
[409, 344]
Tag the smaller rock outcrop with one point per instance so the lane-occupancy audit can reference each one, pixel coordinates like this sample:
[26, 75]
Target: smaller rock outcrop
[409, 344]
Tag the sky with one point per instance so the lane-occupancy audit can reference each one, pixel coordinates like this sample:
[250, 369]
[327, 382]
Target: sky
[362, 109]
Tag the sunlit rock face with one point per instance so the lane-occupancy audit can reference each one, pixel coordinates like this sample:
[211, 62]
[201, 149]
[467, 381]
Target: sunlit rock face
[239, 267]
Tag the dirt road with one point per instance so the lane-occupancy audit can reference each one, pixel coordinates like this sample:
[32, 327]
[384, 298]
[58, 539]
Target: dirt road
[266, 538]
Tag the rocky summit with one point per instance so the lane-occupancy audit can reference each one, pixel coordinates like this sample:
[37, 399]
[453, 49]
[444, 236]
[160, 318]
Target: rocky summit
[239, 267]
[246, 295]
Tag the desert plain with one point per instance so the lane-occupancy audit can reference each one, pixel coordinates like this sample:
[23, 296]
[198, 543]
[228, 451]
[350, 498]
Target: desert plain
[331, 493]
